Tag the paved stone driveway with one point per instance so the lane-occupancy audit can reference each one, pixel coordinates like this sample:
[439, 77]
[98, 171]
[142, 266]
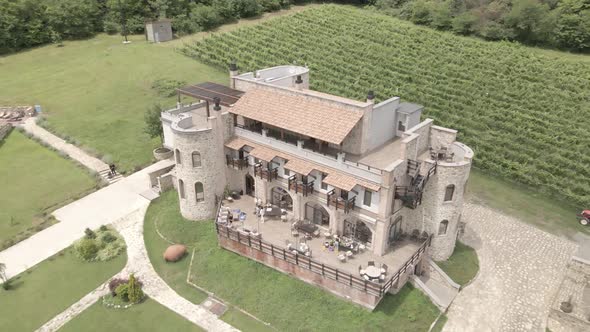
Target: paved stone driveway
[520, 270]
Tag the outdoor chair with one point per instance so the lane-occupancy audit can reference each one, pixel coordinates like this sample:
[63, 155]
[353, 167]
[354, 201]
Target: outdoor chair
[294, 232]
[382, 278]
[366, 277]
[383, 268]
[342, 258]
[371, 263]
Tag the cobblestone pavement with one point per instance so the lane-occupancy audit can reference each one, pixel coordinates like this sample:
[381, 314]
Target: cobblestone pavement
[521, 268]
[73, 151]
[138, 263]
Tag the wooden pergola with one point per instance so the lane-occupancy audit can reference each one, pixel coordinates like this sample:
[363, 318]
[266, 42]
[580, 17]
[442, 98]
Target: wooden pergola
[211, 93]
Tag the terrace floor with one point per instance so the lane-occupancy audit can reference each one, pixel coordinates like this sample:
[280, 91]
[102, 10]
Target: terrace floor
[278, 233]
[382, 156]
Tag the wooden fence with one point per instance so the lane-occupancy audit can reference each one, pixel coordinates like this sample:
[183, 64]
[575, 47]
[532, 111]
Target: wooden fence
[356, 282]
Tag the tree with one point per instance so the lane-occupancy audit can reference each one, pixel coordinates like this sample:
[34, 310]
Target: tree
[153, 124]
[530, 21]
[134, 292]
[572, 28]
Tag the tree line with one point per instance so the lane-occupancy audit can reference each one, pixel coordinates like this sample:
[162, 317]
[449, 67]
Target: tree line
[563, 24]
[28, 23]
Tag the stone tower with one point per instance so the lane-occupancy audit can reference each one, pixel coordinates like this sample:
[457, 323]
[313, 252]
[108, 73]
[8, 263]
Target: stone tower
[200, 165]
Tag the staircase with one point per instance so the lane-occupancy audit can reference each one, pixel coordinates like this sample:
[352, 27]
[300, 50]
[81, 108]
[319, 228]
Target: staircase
[105, 175]
[437, 286]
[411, 196]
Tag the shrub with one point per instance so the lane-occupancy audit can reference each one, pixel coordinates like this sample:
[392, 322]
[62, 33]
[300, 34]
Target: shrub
[102, 227]
[116, 282]
[166, 87]
[122, 291]
[135, 294]
[87, 249]
[89, 234]
[108, 238]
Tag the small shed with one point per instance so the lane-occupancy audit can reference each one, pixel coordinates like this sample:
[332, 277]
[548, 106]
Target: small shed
[158, 31]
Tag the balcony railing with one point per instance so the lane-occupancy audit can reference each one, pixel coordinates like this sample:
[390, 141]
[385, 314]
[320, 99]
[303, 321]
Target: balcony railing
[411, 196]
[339, 202]
[236, 162]
[300, 187]
[266, 174]
[326, 271]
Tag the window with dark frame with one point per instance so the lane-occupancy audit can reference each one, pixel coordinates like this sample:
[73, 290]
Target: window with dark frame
[449, 192]
[324, 185]
[199, 193]
[368, 197]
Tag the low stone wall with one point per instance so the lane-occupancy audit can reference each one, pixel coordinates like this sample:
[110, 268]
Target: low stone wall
[337, 288]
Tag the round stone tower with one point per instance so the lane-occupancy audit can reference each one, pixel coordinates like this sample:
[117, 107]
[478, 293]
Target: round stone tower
[199, 158]
[442, 203]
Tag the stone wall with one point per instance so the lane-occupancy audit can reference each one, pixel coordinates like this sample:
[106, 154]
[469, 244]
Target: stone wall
[211, 173]
[442, 137]
[4, 130]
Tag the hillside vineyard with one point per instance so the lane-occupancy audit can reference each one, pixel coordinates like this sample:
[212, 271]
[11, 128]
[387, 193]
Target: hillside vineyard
[525, 114]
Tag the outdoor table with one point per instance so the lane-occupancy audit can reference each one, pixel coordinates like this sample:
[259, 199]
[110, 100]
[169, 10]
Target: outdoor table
[272, 211]
[308, 228]
[373, 272]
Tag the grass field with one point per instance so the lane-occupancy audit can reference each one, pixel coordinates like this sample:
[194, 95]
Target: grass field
[96, 91]
[525, 204]
[53, 285]
[463, 264]
[29, 176]
[269, 293]
[147, 316]
[525, 112]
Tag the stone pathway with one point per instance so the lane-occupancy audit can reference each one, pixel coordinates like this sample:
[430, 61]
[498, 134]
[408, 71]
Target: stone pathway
[71, 150]
[138, 263]
[521, 268]
[99, 208]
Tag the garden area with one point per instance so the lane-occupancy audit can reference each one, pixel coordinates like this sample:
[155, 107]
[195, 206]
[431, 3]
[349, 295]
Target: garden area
[30, 174]
[47, 289]
[463, 264]
[147, 316]
[271, 296]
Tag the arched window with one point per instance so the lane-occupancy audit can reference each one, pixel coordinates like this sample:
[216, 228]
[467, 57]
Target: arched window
[200, 194]
[181, 188]
[442, 228]
[196, 159]
[449, 192]
[177, 154]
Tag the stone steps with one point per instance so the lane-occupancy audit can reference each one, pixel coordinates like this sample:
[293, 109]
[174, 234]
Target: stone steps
[105, 175]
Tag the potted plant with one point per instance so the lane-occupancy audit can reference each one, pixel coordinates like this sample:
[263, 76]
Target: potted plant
[153, 127]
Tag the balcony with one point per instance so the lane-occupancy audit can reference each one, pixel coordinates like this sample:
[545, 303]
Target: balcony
[339, 202]
[265, 174]
[236, 162]
[299, 186]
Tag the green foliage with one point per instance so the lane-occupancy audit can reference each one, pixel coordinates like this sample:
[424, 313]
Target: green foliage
[87, 249]
[167, 87]
[562, 23]
[108, 237]
[153, 124]
[103, 228]
[135, 294]
[524, 114]
[89, 234]
[122, 291]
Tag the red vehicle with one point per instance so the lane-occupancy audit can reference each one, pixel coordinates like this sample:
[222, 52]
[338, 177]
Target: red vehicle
[584, 217]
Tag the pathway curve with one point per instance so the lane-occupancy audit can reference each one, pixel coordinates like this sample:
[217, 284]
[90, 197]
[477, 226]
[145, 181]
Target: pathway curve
[71, 150]
[521, 268]
[102, 207]
[138, 263]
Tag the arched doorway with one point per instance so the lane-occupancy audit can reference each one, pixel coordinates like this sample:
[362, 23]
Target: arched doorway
[358, 230]
[250, 185]
[317, 214]
[395, 230]
[281, 198]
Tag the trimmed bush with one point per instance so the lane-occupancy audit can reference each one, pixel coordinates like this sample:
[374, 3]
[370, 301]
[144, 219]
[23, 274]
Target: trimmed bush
[108, 238]
[122, 291]
[116, 282]
[87, 249]
[134, 292]
[89, 233]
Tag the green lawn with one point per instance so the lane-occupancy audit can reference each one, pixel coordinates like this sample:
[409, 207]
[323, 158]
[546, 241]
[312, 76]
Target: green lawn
[463, 264]
[440, 323]
[527, 204]
[97, 90]
[147, 316]
[29, 176]
[243, 322]
[270, 295]
[53, 285]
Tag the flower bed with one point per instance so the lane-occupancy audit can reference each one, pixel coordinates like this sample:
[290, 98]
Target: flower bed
[102, 245]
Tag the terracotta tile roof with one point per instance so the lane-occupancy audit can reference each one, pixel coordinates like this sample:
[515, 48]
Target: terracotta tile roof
[301, 166]
[298, 114]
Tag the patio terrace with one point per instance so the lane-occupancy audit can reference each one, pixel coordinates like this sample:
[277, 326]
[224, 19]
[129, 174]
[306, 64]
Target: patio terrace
[275, 234]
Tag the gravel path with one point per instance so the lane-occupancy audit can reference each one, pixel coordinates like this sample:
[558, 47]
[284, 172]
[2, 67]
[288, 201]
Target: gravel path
[521, 268]
[71, 150]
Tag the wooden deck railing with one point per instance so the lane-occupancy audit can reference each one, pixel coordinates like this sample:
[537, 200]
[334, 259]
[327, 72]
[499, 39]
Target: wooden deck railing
[340, 203]
[266, 174]
[299, 187]
[327, 271]
[236, 163]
